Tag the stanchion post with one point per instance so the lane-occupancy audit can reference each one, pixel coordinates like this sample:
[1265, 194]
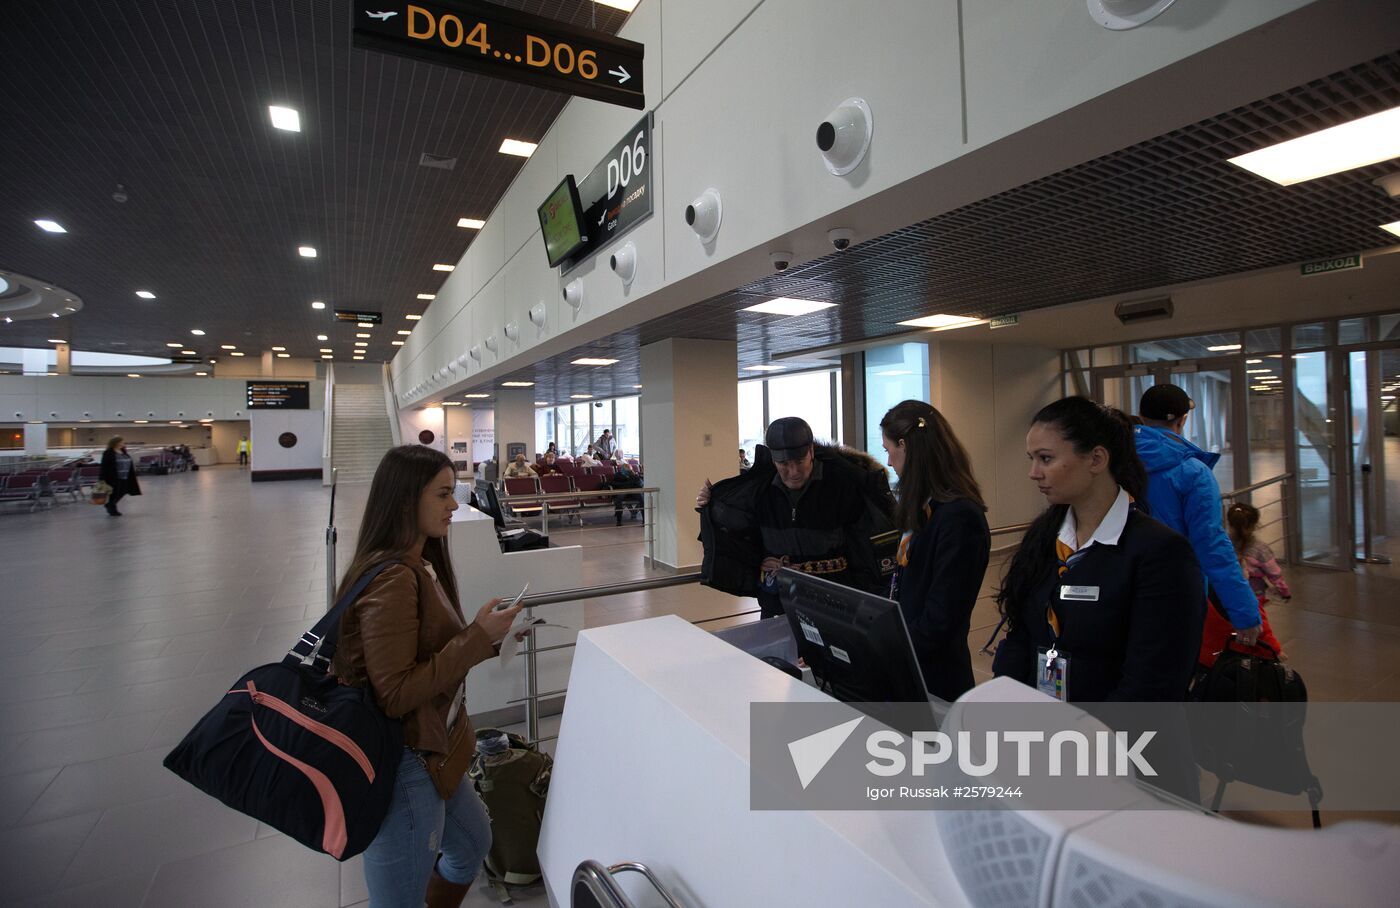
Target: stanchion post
[532, 683]
[330, 549]
[1367, 555]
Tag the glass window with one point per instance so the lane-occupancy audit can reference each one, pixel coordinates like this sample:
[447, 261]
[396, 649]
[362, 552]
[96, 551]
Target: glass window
[1263, 340]
[627, 428]
[1353, 331]
[579, 437]
[544, 428]
[751, 424]
[1177, 348]
[806, 394]
[1316, 334]
[1389, 327]
[1108, 356]
[892, 374]
[1316, 455]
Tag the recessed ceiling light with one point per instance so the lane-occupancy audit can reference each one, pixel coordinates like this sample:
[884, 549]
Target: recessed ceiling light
[357, 357]
[1253, 362]
[1392, 227]
[517, 384]
[581, 396]
[176, 346]
[175, 422]
[327, 350]
[188, 353]
[364, 325]
[1259, 371]
[413, 318]
[284, 356]
[278, 349]
[201, 373]
[1224, 348]
[327, 356]
[396, 343]
[50, 226]
[637, 387]
[235, 353]
[358, 335]
[625, 5]
[470, 223]
[140, 422]
[133, 375]
[54, 314]
[321, 337]
[318, 305]
[592, 361]
[55, 340]
[941, 322]
[197, 332]
[763, 368]
[145, 294]
[476, 396]
[362, 343]
[1368, 140]
[453, 403]
[518, 148]
[441, 267]
[787, 306]
[403, 332]
[227, 347]
[284, 118]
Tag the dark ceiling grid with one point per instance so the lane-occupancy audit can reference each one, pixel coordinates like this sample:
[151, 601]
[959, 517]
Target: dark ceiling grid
[168, 97]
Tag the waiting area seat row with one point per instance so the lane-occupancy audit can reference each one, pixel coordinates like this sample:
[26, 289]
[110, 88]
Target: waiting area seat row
[527, 487]
[42, 485]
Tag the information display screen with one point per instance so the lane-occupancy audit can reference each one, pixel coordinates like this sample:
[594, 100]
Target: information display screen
[561, 222]
[279, 395]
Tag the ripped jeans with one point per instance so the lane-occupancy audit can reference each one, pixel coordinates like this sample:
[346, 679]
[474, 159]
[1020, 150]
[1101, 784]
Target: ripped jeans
[419, 825]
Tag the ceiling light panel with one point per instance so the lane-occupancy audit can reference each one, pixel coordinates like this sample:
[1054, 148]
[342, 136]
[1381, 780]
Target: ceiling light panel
[517, 384]
[941, 322]
[145, 294]
[1368, 140]
[441, 267]
[318, 305]
[306, 252]
[470, 223]
[518, 148]
[593, 361]
[48, 226]
[788, 306]
[1392, 227]
[285, 118]
[413, 318]
[426, 296]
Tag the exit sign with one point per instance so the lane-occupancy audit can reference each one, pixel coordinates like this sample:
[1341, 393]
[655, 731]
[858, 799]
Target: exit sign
[1004, 321]
[1326, 266]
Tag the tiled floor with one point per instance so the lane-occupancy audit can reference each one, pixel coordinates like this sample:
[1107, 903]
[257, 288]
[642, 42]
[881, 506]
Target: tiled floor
[117, 633]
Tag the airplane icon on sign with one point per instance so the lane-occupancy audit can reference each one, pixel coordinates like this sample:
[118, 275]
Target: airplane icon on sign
[382, 17]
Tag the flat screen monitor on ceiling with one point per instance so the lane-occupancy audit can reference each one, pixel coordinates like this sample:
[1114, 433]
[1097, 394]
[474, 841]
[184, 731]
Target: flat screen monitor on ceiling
[561, 222]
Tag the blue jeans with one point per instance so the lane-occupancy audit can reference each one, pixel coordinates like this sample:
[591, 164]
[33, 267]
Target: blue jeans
[419, 825]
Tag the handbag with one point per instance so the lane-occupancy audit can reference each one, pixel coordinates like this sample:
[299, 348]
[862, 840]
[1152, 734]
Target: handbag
[291, 746]
[100, 491]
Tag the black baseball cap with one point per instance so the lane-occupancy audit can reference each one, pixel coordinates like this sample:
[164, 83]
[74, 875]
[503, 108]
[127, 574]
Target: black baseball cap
[1165, 402]
[788, 438]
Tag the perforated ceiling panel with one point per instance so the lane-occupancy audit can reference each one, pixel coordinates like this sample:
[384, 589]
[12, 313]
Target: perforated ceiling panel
[1164, 211]
[169, 99]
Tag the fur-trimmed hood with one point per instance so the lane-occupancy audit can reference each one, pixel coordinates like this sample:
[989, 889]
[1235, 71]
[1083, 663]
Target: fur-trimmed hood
[855, 458]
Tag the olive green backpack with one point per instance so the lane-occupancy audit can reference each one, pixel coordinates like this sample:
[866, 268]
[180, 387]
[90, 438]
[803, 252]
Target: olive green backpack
[512, 777]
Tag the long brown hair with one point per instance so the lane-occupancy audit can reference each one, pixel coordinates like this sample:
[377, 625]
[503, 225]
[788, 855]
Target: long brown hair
[1242, 519]
[936, 465]
[389, 529]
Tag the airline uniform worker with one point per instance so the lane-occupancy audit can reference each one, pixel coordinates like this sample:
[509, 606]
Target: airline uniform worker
[1103, 602]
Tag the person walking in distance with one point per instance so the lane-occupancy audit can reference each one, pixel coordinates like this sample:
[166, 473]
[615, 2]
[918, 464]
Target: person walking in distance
[605, 445]
[119, 472]
[244, 449]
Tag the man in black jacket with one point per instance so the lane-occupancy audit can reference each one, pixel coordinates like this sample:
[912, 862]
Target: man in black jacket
[803, 505]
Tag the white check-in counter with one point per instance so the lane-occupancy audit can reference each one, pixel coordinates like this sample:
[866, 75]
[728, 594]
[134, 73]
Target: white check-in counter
[652, 765]
[483, 572]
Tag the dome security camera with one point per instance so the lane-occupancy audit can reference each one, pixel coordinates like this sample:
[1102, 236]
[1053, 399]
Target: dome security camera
[462, 360]
[181, 414]
[475, 352]
[573, 294]
[53, 415]
[624, 262]
[780, 260]
[843, 137]
[537, 315]
[512, 330]
[451, 365]
[705, 214]
[150, 413]
[491, 342]
[840, 238]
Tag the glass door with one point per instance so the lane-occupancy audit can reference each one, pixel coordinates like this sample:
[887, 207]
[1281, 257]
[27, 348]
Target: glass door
[1322, 464]
[1211, 425]
[1373, 449]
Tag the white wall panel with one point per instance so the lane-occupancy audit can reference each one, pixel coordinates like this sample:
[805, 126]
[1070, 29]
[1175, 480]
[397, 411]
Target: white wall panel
[691, 30]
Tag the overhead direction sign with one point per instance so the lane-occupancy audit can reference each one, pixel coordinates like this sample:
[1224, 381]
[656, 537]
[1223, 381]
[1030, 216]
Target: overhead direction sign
[506, 44]
[1339, 263]
[359, 315]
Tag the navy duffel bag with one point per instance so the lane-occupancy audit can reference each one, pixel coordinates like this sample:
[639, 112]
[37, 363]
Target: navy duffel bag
[291, 746]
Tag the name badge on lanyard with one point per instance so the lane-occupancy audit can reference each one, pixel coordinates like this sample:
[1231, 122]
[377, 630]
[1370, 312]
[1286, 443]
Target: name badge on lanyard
[1079, 593]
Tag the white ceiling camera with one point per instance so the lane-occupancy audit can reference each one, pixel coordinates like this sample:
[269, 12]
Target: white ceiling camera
[704, 215]
[537, 313]
[512, 330]
[624, 263]
[573, 293]
[780, 260]
[475, 352]
[491, 342]
[840, 238]
[844, 136]
[461, 360]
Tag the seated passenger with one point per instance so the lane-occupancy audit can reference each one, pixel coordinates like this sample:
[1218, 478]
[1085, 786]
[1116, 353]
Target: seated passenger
[1108, 597]
[519, 468]
[549, 465]
[946, 543]
[407, 639]
[588, 458]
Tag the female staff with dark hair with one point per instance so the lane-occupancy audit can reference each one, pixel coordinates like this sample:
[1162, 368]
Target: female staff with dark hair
[119, 472]
[1102, 601]
[406, 638]
[944, 550]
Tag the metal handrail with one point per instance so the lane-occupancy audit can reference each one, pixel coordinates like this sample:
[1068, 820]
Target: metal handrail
[594, 592]
[561, 496]
[1235, 493]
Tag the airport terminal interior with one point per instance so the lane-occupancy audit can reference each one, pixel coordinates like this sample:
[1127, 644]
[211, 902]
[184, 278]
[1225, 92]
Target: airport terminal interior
[589, 251]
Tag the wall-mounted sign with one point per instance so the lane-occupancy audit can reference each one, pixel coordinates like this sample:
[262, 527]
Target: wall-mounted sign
[506, 44]
[1340, 263]
[616, 195]
[279, 395]
[354, 315]
[1004, 321]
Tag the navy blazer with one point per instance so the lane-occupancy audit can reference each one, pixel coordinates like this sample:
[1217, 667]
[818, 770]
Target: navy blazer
[1139, 640]
[938, 588]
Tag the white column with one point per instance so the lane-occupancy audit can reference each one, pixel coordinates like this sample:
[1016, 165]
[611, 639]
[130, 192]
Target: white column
[690, 432]
[515, 422]
[36, 438]
[65, 359]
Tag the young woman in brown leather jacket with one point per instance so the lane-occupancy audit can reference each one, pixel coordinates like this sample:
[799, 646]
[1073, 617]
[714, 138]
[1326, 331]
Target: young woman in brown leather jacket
[406, 637]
